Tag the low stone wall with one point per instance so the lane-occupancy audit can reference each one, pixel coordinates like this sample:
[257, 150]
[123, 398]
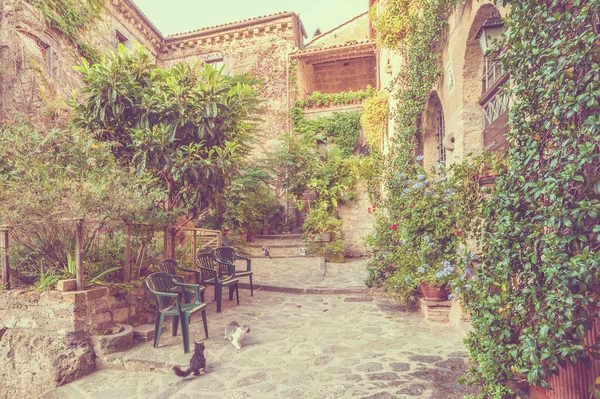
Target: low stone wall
[86, 311]
[45, 337]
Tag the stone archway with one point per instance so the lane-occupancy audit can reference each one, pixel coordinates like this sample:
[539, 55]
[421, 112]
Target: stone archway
[434, 142]
[472, 75]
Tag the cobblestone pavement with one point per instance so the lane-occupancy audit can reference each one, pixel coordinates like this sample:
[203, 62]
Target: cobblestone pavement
[299, 346]
[309, 275]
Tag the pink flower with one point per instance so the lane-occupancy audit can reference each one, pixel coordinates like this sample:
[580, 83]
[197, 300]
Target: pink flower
[460, 233]
[394, 227]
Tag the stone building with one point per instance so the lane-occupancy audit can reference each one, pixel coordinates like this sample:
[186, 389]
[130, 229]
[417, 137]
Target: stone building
[37, 61]
[465, 113]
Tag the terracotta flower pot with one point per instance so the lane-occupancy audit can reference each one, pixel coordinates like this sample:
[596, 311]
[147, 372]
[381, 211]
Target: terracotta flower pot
[265, 230]
[573, 381]
[434, 293]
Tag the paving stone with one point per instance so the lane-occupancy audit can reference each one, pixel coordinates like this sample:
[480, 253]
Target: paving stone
[425, 359]
[292, 353]
[453, 364]
[383, 376]
[412, 390]
[400, 367]
[250, 380]
[322, 360]
[380, 395]
[370, 367]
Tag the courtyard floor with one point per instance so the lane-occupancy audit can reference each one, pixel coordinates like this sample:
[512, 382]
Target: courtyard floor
[349, 343]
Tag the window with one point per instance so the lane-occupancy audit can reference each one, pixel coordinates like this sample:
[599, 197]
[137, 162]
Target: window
[120, 38]
[439, 136]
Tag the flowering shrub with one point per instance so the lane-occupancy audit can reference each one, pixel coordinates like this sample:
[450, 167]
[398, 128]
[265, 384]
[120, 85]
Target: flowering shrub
[418, 239]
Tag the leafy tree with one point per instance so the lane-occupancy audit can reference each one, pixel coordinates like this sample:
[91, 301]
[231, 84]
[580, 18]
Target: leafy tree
[185, 127]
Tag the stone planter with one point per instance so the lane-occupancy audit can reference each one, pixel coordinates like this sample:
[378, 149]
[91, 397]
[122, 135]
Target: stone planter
[434, 293]
[111, 343]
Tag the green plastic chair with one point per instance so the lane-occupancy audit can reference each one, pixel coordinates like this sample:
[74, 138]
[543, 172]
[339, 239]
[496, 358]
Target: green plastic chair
[218, 274]
[229, 255]
[170, 266]
[169, 304]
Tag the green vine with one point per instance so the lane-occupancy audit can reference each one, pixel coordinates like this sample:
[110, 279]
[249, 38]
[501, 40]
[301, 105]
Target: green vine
[72, 17]
[374, 119]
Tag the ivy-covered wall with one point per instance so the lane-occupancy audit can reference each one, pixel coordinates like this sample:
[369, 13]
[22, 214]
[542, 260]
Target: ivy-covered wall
[459, 85]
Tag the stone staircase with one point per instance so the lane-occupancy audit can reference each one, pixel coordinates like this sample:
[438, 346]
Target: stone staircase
[280, 246]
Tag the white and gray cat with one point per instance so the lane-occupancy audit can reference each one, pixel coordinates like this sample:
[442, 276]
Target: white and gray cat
[235, 333]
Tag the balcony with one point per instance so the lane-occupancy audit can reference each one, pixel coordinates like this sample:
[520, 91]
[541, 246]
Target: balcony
[495, 105]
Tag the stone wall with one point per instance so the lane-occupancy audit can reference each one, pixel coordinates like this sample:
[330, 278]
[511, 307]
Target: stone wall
[37, 62]
[345, 75]
[45, 337]
[260, 49]
[86, 311]
[358, 222]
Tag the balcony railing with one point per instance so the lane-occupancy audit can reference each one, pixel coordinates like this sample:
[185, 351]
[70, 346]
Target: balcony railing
[495, 104]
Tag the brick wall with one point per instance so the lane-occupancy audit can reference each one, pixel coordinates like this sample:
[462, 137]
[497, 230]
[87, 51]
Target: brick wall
[345, 75]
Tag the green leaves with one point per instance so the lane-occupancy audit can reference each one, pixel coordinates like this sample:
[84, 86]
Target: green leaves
[184, 127]
[541, 235]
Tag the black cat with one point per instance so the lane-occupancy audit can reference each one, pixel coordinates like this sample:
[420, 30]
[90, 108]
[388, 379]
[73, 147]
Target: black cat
[197, 362]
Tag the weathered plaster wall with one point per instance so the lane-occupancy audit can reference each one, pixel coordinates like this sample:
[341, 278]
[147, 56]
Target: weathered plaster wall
[355, 29]
[345, 75]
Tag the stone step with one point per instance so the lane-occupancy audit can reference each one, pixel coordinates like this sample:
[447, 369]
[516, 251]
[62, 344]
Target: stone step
[256, 251]
[277, 244]
[281, 237]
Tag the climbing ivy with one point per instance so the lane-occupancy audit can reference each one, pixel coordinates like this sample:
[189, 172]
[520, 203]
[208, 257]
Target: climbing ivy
[413, 29]
[72, 17]
[374, 119]
[534, 298]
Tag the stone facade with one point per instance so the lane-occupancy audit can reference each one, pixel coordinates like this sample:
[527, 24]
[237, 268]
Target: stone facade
[37, 62]
[46, 336]
[457, 92]
[345, 75]
[358, 223]
[88, 311]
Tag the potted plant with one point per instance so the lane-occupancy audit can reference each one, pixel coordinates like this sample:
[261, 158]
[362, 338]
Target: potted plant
[424, 246]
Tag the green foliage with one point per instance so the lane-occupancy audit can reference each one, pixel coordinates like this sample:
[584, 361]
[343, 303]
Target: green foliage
[292, 163]
[183, 128]
[419, 240]
[374, 119]
[250, 201]
[533, 300]
[72, 17]
[326, 99]
[321, 220]
[64, 174]
[414, 28]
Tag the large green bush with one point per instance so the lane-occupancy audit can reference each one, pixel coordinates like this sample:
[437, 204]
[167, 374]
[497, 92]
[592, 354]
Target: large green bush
[533, 299]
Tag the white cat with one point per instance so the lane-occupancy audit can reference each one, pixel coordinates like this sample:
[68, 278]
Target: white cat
[235, 333]
[302, 251]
